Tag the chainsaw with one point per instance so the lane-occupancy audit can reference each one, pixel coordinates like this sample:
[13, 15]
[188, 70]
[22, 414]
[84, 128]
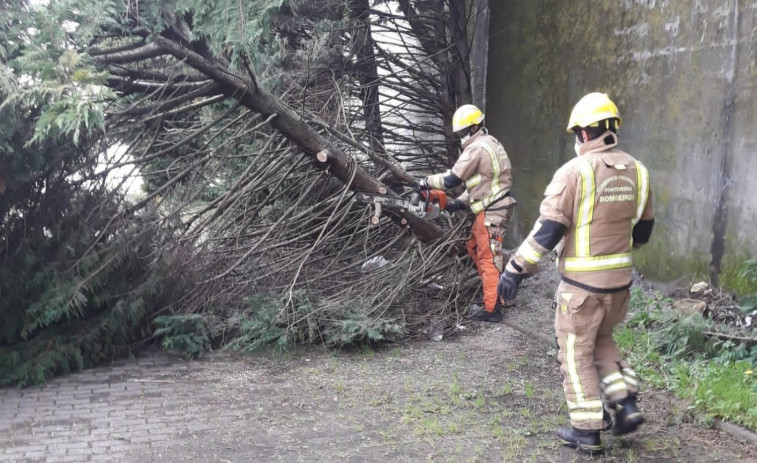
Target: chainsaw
[426, 204]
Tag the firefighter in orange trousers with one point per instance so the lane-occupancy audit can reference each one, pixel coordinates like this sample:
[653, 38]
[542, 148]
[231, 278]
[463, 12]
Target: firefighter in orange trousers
[485, 170]
[597, 208]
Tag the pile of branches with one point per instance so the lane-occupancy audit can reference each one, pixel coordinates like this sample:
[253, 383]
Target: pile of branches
[730, 319]
[250, 142]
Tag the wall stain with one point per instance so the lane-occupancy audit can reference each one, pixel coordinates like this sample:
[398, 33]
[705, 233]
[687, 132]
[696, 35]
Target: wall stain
[684, 75]
[720, 218]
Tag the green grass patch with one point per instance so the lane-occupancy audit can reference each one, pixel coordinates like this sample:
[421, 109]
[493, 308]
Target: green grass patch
[674, 352]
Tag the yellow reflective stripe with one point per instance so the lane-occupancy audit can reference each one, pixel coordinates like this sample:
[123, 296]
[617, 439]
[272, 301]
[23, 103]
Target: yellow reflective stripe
[496, 169]
[630, 376]
[586, 416]
[531, 255]
[615, 387]
[586, 404]
[592, 264]
[613, 377]
[570, 359]
[642, 190]
[436, 181]
[631, 381]
[479, 206]
[473, 181]
[585, 209]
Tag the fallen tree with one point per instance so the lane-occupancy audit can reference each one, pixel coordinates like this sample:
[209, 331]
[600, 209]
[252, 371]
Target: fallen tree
[248, 178]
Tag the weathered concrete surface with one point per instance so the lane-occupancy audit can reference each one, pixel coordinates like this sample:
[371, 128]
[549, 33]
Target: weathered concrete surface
[684, 74]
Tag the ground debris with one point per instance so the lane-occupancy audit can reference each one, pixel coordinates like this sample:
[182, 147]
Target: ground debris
[719, 306]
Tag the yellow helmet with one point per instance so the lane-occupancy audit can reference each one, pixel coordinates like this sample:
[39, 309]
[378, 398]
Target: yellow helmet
[591, 109]
[466, 116]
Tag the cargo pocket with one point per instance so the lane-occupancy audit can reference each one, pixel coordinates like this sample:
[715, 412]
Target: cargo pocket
[574, 314]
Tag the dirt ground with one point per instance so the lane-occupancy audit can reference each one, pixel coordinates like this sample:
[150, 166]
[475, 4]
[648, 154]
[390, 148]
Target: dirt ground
[489, 393]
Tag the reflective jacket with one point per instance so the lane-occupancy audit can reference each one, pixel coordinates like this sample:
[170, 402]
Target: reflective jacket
[484, 168]
[599, 197]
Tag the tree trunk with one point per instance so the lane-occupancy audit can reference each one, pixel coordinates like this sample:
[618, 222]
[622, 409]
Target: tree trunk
[289, 124]
[479, 59]
[366, 71]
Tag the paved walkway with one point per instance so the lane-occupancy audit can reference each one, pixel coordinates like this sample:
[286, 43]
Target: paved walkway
[101, 414]
[491, 396]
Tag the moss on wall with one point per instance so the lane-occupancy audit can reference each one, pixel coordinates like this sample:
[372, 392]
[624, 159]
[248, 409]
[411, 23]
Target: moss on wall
[674, 69]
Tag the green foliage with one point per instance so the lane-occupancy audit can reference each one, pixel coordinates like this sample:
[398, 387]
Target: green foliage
[672, 352]
[60, 318]
[261, 325]
[62, 83]
[77, 287]
[357, 326]
[186, 333]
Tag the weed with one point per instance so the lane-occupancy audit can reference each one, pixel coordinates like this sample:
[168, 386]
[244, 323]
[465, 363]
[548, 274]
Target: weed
[367, 351]
[529, 390]
[339, 387]
[674, 352]
[455, 388]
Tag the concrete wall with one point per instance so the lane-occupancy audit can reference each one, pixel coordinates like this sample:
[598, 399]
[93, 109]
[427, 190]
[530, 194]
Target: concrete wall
[684, 75]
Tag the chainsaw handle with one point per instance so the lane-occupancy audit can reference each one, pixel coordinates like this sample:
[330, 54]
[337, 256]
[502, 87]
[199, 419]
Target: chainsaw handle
[435, 196]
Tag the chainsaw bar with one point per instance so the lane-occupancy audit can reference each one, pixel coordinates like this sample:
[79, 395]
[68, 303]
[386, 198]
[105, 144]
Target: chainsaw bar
[422, 209]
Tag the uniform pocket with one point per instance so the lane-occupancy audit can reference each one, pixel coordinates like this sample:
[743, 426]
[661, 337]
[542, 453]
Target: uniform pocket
[575, 312]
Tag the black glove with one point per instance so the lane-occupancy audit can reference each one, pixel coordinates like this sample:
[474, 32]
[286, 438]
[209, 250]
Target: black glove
[508, 285]
[455, 205]
[420, 185]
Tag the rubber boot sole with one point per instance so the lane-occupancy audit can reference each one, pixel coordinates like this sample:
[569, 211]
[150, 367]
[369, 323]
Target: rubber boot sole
[583, 448]
[484, 316]
[630, 424]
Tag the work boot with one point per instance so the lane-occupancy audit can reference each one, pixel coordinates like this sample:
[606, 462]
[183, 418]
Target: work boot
[606, 419]
[585, 440]
[494, 316]
[628, 417]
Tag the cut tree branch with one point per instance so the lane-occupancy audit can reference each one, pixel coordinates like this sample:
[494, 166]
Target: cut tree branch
[291, 126]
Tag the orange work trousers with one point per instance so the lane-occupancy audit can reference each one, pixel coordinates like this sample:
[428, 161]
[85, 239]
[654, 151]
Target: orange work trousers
[485, 247]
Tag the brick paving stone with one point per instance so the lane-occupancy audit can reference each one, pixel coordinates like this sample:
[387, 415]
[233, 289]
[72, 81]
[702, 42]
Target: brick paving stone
[228, 409]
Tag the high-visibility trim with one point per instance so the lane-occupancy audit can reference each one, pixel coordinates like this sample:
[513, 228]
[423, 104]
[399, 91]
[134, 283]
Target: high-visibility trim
[631, 382]
[479, 206]
[531, 255]
[612, 377]
[585, 209]
[614, 382]
[570, 360]
[630, 377]
[496, 192]
[586, 416]
[496, 169]
[436, 181]
[592, 264]
[473, 181]
[642, 193]
[615, 387]
[586, 404]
